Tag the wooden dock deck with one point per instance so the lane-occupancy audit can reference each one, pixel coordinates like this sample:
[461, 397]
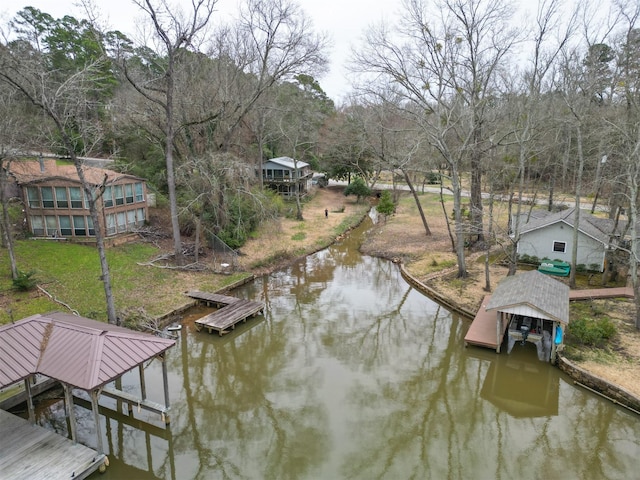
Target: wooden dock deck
[595, 293]
[227, 317]
[29, 451]
[483, 330]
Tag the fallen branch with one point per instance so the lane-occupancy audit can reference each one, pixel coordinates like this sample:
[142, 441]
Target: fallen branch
[51, 297]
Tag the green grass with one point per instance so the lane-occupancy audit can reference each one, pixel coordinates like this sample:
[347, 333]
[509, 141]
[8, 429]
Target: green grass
[71, 274]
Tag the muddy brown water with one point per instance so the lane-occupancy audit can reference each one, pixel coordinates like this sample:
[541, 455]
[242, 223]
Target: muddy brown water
[353, 374]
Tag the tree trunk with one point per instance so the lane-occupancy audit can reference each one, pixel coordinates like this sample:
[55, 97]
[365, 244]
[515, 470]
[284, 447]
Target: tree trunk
[459, 225]
[576, 218]
[446, 218]
[7, 238]
[171, 179]
[418, 204]
[112, 316]
[487, 256]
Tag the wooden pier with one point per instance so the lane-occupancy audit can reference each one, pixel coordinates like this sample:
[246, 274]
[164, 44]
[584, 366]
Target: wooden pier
[231, 311]
[484, 330]
[29, 451]
[212, 299]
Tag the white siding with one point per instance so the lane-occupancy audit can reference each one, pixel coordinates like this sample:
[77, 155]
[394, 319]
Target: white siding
[539, 243]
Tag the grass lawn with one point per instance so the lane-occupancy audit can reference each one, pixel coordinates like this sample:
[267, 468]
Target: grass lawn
[71, 274]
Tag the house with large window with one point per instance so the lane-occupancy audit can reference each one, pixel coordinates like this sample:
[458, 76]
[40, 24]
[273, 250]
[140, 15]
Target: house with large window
[287, 176]
[57, 207]
[550, 235]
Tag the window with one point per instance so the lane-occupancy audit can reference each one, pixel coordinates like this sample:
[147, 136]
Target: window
[61, 197]
[76, 197]
[33, 197]
[65, 225]
[37, 225]
[140, 215]
[47, 197]
[111, 224]
[560, 247]
[128, 193]
[122, 222]
[79, 228]
[51, 223]
[131, 220]
[118, 194]
[92, 231]
[107, 197]
[139, 192]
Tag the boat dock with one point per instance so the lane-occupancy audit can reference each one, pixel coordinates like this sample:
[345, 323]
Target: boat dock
[231, 311]
[484, 330]
[30, 451]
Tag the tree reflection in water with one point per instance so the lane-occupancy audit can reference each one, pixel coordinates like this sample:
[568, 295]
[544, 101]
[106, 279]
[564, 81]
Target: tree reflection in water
[352, 374]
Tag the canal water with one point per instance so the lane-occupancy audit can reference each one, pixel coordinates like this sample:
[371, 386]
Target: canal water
[353, 374]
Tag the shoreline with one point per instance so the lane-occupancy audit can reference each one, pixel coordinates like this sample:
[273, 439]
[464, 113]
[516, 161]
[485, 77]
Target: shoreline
[580, 376]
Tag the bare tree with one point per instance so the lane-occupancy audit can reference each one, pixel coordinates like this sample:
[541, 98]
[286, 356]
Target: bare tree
[67, 97]
[529, 121]
[626, 129]
[446, 64]
[176, 32]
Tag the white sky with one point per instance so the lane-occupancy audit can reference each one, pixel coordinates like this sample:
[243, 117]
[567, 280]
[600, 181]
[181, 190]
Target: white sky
[344, 21]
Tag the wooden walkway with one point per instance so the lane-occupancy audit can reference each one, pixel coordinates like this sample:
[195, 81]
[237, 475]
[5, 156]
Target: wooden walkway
[483, 328]
[618, 292]
[231, 311]
[29, 451]
[212, 299]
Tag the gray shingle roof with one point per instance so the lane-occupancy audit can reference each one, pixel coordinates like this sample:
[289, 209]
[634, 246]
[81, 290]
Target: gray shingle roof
[598, 228]
[534, 290]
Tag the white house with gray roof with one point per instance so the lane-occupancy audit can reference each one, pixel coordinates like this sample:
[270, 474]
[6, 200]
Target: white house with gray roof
[551, 236]
[287, 176]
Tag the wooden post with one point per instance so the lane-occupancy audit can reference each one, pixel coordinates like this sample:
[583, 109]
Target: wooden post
[554, 347]
[498, 327]
[143, 387]
[27, 389]
[68, 400]
[165, 381]
[96, 418]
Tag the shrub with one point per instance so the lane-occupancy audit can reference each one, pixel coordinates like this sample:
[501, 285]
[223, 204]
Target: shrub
[25, 281]
[385, 205]
[592, 332]
[529, 259]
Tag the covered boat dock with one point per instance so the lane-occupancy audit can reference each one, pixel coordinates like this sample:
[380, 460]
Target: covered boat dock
[79, 353]
[528, 307]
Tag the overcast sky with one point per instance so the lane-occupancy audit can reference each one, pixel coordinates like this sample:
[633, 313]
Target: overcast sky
[344, 21]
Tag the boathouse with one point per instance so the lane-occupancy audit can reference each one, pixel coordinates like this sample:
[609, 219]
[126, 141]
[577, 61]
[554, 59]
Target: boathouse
[80, 353]
[528, 307]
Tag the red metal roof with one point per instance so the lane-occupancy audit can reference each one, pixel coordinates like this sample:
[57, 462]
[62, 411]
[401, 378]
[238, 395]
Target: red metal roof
[79, 351]
[28, 171]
